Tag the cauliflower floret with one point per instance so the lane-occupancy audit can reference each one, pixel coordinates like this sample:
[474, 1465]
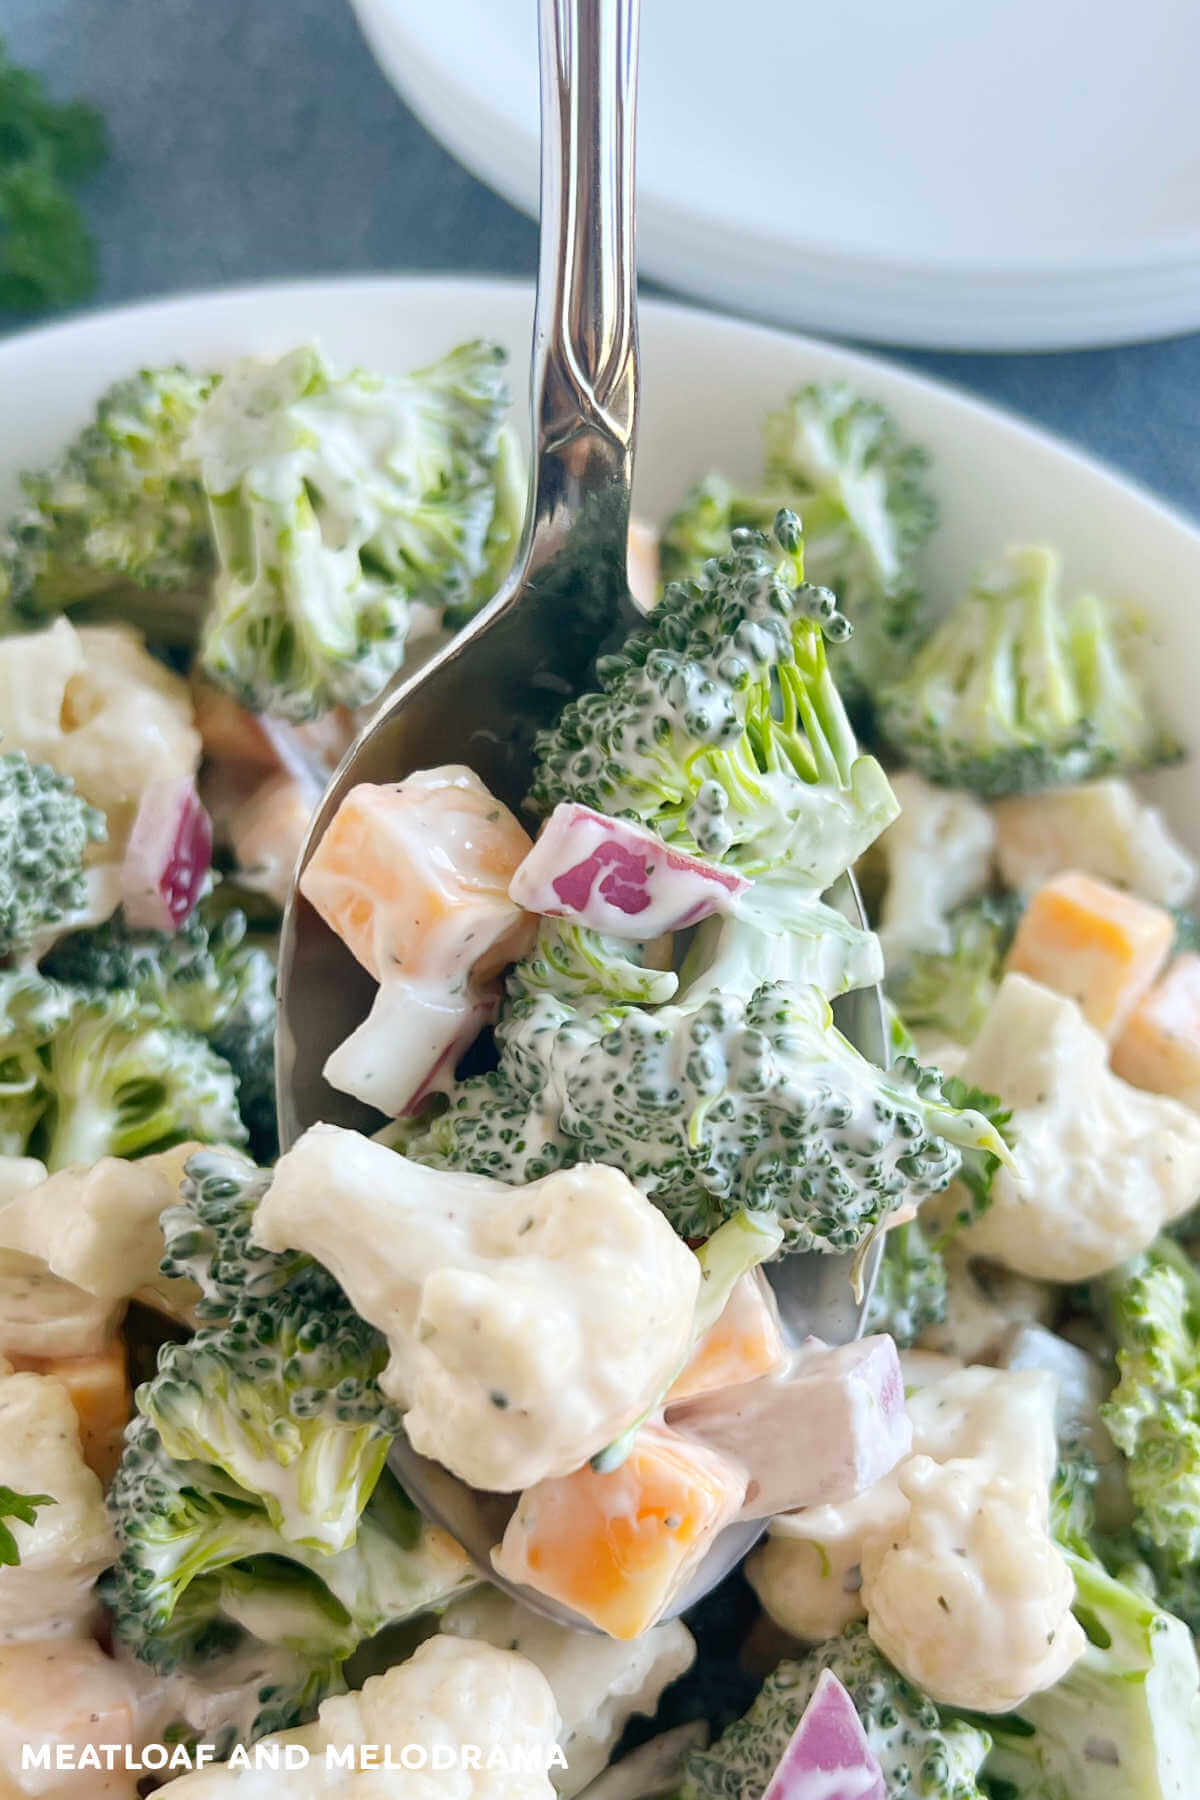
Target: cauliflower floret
[971, 1597]
[598, 1683]
[1099, 1167]
[98, 1228]
[965, 1517]
[48, 1593]
[938, 853]
[68, 1693]
[98, 707]
[528, 1326]
[449, 1695]
[1102, 828]
[41, 1315]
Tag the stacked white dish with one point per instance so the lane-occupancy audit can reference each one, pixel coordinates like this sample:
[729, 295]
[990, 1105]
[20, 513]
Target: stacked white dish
[990, 176]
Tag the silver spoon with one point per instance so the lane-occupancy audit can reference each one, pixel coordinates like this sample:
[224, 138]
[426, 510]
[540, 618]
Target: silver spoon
[481, 699]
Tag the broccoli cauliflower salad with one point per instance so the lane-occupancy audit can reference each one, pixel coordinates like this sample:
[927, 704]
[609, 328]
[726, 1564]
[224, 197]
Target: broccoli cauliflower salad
[612, 1096]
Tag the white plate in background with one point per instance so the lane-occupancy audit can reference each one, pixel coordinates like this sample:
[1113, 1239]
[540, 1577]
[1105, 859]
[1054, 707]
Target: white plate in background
[987, 174]
[706, 384]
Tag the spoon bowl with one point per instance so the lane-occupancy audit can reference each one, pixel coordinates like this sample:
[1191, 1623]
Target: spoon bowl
[483, 697]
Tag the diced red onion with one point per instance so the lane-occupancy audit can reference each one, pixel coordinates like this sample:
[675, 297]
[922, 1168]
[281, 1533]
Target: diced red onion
[828, 1756]
[168, 856]
[617, 877]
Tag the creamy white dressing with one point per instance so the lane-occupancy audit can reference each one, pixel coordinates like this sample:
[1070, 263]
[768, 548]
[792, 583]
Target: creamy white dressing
[527, 1326]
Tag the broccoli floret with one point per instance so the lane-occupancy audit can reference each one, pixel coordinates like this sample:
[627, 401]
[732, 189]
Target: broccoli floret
[117, 527]
[1017, 691]
[838, 460]
[206, 1240]
[335, 504]
[1152, 1308]
[85, 1075]
[201, 1568]
[949, 992]
[910, 1288]
[720, 727]
[700, 529]
[738, 1094]
[47, 257]
[208, 977]
[45, 830]
[1123, 1721]
[284, 1399]
[923, 1754]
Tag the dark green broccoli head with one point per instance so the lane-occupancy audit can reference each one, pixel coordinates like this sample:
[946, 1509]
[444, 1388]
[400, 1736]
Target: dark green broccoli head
[720, 727]
[45, 830]
[120, 514]
[1017, 691]
[492, 1127]
[759, 1102]
[740, 1094]
[285, 1399]
[923, 1755]
[206, 1239]
[208, 977]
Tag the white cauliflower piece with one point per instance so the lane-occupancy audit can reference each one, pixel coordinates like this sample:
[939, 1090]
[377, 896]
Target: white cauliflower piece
[972, 1598]
[451, 1694]
[598, 1683]
[65, 1692]
[1099, 1167]
[48, 1593]
[1102, 828]
[528, 1326]
[40, 1315]
[97, 706]
[966, 1518]
[937, 854]
[98, 1228]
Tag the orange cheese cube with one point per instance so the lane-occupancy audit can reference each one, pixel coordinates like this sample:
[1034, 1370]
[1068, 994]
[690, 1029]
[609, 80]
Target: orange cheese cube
[1159, 1048]
[413, 877]
[744, 1343]
[101, 1395]
[1096, 944]
[616, 1547]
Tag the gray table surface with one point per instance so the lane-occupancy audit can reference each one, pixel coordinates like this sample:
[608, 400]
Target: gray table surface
[256, 138]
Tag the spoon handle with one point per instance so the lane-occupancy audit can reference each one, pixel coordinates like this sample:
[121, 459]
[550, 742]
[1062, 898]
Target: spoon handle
[585, 352]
